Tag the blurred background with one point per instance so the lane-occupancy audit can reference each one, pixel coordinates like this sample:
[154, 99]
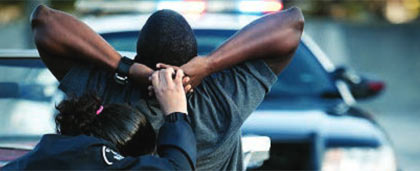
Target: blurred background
[377, 38]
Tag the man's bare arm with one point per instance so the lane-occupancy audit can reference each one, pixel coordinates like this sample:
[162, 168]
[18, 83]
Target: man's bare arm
[273, 38]
[63, 41]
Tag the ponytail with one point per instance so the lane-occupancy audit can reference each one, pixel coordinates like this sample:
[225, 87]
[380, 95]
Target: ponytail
[122, 125]
[77, 115]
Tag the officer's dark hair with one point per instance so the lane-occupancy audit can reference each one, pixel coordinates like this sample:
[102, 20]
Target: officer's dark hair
[166, 37]
[121, 124]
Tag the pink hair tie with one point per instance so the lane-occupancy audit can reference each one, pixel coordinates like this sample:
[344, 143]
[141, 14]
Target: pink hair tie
[99, 110]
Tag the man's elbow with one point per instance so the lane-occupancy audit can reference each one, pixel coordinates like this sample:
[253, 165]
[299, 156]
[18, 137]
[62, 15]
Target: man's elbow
[297, 18]
[39, 15]
[297, 24]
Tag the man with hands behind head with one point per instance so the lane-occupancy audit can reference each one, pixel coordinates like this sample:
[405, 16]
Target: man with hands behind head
[229, 83]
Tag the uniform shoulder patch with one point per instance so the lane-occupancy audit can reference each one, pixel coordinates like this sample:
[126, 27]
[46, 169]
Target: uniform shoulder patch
[110, 156]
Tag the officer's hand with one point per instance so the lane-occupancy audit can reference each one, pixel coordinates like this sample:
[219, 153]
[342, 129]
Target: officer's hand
[196, 69]
[168, 91]
[185, 80]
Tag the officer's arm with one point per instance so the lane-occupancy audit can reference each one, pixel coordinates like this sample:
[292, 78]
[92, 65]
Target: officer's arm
[177, 142]
[63, 42]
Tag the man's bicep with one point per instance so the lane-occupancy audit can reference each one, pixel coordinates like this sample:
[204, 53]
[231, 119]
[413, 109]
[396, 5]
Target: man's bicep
[57, 66]
[290, 37]
[287, 49]
[45, 36]
[277, 65]
[64, 41]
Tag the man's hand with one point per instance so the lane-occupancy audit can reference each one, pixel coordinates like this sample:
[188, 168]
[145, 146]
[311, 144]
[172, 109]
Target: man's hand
[169, 92]
[196, 69]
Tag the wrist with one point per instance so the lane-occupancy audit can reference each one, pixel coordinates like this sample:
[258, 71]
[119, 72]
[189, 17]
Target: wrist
[139, 73]
[123, 69]
[174, 116]
[113, 59]
[209, 65]
[170, 111]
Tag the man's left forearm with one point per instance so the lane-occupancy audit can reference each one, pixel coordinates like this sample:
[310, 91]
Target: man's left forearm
[61, 37]
[65, 36]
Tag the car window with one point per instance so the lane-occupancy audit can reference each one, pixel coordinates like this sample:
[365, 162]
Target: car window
[28, 93]
[304, 76]
[122, 41]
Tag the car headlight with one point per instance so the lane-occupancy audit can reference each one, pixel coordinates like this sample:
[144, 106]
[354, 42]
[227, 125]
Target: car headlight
[256, 149]
[357, 158]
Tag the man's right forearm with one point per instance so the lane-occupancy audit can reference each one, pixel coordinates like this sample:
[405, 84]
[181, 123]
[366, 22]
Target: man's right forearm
[273, 38]
[60, 35]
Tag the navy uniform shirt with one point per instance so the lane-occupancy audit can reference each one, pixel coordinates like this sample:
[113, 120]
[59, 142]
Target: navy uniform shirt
[176, 149]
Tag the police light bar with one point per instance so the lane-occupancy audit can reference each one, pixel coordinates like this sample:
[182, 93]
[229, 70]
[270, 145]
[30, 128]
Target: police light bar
[186, 6]
[254, 6]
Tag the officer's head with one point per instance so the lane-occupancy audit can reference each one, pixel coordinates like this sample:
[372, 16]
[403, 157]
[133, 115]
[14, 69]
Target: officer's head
[166, 37]
[119, 124]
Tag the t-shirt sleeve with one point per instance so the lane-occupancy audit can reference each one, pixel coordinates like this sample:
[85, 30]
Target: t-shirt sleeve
[225, 99]
[81, 79]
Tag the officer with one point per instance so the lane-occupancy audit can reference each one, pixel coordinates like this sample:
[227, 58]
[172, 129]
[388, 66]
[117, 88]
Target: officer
[116, 136]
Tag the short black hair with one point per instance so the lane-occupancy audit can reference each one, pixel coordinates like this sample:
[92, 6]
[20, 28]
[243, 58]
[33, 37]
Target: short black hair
[121, 124]
[166, 37]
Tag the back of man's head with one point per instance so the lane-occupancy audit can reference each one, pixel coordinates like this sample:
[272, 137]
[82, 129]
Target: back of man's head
[166, 37]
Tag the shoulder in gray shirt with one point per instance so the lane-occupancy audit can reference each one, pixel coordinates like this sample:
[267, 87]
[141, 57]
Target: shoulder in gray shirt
[218, 107]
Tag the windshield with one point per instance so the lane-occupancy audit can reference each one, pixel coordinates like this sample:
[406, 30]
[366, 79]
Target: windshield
[303, 78]
[28, 93]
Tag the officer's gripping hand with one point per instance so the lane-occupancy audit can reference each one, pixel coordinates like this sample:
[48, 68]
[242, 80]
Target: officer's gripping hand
[169, 91]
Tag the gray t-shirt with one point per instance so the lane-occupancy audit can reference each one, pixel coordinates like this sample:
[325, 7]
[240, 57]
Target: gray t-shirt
[218, 107]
